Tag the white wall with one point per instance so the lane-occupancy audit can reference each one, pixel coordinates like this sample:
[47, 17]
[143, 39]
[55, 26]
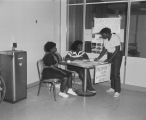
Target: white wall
[136, 71]
[18, 23]
[63, 27]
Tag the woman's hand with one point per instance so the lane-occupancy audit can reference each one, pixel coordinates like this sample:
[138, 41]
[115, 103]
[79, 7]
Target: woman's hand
[106, 61]
[96, 59]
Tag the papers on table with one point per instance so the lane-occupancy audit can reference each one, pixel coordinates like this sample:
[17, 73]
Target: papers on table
[86, 63]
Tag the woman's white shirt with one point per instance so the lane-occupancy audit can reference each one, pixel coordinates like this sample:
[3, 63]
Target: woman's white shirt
[112, 43]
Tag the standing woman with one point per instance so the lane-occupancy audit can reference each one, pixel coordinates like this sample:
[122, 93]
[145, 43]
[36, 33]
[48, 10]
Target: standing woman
[112, 46]
[51, 60]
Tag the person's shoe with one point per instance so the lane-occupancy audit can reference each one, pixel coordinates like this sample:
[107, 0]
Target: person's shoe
[111, 90]
[70, 91]
[91, 90]
[64, 95]
[116, 94]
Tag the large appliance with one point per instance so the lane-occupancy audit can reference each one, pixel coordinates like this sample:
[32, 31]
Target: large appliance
[13, 68]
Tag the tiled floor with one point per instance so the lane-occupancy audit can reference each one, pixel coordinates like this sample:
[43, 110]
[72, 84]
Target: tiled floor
[130, 106]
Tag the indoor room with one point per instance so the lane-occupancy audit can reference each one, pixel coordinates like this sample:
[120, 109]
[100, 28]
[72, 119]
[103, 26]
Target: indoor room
[25, 28]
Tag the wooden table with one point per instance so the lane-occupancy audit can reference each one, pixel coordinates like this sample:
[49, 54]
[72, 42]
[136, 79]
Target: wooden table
[86, 65]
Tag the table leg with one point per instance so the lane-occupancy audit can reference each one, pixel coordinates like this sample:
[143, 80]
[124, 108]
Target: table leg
[84, 91]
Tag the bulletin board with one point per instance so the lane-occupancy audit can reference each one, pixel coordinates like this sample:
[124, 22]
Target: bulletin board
[99, 23]
[113, 23]
[96, 44]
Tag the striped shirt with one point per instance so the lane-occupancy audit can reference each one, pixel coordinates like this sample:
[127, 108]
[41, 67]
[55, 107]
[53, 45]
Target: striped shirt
[71, 55]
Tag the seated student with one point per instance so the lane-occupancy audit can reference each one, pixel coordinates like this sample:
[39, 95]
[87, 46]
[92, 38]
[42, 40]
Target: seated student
[76, 53]
[51, 59]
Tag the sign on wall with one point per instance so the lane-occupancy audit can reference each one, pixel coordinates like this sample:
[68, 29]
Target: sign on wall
[113, 23]
[102, 73]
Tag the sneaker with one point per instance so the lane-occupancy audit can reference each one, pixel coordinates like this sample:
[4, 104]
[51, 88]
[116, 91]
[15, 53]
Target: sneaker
[64, 95]
[116, 94]
[111, 90]
[70, 91]
[91, 90]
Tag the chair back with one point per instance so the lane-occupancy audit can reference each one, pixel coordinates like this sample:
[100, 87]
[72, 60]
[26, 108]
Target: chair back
[40, 66]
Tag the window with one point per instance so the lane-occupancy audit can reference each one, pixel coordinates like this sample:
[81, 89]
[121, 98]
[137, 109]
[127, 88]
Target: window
[74, 24]
[110, 10]
[137, 35]
[75, 1]
[80, 19]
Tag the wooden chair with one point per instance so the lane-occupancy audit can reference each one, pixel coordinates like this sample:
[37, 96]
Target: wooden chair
[52, 82]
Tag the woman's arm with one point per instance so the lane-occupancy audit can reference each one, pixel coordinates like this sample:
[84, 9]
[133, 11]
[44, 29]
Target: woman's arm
[101, 54]
[59, 58]
[85, 56]
[116, 51]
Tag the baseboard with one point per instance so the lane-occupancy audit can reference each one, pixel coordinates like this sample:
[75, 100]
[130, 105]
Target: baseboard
[134, 88]
[32, 84]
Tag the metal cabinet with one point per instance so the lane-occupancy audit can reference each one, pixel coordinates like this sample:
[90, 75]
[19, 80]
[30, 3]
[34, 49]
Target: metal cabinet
[13, 68]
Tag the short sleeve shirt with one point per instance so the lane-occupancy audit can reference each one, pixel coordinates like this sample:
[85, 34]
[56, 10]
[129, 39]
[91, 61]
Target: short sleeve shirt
[112, 43]
[50, 59]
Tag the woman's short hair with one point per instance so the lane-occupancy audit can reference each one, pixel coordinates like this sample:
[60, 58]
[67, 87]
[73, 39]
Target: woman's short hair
[105, 31]
[75, 45]
[48, 46]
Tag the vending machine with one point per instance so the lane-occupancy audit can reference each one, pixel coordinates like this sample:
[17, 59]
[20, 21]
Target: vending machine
[13, 68]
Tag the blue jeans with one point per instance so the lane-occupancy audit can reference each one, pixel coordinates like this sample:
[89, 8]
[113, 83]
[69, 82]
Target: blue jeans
[115, 71]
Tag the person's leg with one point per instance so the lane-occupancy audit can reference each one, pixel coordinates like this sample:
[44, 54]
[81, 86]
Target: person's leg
[70, 90]
[80, 72]
[57, 73]
[112, 87]
[68, 74]
[117, 82]
[115, 74]
[112, 75]
[62, 92]
[68, 83]
[60, 74]
[81, 75]
[89, 83]
[63, 84]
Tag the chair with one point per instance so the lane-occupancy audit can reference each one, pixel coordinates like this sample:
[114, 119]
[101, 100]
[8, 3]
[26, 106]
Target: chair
[74, 75]
[52, 82]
